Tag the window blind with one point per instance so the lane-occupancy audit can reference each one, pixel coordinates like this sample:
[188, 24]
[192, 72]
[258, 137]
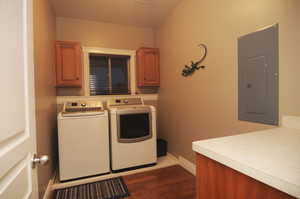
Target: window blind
[109, 74]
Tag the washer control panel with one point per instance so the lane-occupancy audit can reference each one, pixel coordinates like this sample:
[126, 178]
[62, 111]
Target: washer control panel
[82, 106]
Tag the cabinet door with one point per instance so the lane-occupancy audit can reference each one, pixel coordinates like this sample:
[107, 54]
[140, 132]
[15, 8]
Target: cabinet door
[217, 181]
[148, 67]
[68, 64]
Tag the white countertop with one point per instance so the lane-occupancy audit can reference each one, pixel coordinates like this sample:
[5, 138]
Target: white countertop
[270, 156]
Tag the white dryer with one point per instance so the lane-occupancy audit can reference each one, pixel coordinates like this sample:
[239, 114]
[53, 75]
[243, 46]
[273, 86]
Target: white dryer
[133, 134]
[83, 137]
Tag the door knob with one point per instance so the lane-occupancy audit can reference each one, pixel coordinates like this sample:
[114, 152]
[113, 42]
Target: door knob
[42, 160]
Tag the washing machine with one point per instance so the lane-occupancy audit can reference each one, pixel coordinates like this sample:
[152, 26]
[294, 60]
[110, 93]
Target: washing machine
[132, 134]
[83, 137]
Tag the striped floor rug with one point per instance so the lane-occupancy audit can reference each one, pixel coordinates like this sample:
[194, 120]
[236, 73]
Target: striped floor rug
[114, 188]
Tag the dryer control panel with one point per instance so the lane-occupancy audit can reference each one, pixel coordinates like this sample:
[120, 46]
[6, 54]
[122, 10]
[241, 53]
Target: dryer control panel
[125, 101]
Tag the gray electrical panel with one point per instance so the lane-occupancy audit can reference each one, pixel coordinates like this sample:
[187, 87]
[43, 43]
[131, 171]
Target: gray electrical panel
[258, 76]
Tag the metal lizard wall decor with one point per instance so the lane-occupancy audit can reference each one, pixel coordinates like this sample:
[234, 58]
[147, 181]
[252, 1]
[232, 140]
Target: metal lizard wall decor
[189, 70]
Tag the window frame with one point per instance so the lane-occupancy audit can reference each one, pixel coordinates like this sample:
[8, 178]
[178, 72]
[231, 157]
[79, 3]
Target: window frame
[109, 51]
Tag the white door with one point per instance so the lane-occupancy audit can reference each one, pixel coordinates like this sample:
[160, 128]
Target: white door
[17, 119]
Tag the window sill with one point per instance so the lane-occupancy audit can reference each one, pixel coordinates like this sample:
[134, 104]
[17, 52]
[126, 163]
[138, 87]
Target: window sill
[62, 99]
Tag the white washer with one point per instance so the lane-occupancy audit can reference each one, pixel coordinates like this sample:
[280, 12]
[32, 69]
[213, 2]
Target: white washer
[83, 137]
[133, 134]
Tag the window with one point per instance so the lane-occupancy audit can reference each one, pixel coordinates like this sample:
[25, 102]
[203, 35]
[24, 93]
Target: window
[109, 74]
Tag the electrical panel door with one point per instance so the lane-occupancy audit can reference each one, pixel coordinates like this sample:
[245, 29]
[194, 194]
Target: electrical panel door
[258, 76]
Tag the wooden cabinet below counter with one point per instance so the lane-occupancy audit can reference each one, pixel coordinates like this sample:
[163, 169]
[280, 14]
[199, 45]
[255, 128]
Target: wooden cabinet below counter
[217, 181]
[148, 67]
[68, 64]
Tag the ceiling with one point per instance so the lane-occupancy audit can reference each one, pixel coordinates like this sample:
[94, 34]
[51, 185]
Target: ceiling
[146, 13]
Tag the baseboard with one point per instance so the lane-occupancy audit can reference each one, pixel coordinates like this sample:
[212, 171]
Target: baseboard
[172, 156]
[52, 186]
[49, 193]
[189, 166]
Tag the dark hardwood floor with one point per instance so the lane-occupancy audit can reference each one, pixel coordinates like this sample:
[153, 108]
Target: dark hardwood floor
[167, 183]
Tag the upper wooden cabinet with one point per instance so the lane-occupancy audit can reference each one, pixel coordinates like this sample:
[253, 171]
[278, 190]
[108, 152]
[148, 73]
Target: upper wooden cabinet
[68, 64]
[148, 67]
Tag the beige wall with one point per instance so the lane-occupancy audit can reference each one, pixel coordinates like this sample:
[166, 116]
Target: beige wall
[104, 35]
[289, 58]
[44, 37]
[205, 104]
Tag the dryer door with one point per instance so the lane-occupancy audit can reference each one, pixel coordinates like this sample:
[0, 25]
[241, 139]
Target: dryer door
[134, 125]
